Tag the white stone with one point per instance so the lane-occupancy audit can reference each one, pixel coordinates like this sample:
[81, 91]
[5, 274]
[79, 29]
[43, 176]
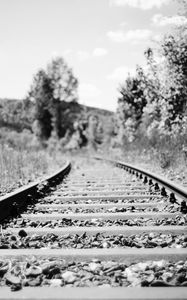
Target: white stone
[69, 277]
[93, 266]
[55, 282]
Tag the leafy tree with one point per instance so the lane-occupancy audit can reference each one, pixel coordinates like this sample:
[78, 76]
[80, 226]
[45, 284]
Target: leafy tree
[174, 80]
[51, 87]
[130, 105]
[153, 103]
[64, 88]
[63, 83]
[94, 131]
[41, 94]
[16, 114]
[151, 117]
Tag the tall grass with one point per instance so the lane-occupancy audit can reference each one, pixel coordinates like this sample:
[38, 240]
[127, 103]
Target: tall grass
[22, 163]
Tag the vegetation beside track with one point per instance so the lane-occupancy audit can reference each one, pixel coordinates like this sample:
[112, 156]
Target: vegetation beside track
[20, 166]
[171, 165]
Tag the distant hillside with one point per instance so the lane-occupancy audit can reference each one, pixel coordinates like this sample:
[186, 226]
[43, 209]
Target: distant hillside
[19, 114]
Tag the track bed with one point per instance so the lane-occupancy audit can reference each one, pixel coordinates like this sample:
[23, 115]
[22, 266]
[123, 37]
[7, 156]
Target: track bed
[100, 227]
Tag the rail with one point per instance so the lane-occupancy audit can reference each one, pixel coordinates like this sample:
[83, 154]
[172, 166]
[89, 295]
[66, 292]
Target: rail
[175, 189]
[12, 202]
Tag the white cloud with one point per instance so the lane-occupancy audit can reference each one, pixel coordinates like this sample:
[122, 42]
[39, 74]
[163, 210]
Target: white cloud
[116, 36]
[131, 35]
[142, 4]
[99, 52]
[161, 20]
[88, 90]
[67, 52]
[123, 24]
[83, 55]
[121, 73]
[54, 54]
[157, 37]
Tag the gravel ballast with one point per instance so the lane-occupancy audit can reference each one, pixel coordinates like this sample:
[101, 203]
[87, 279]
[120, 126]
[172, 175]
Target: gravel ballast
[180, 220]
[60, 200]
[58, 272]
[130, 208]
[52, 241]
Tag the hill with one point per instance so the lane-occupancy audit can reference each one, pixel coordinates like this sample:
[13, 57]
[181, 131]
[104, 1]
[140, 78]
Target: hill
[19, 115]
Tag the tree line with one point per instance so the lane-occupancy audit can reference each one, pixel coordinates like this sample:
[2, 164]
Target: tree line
[152, 105]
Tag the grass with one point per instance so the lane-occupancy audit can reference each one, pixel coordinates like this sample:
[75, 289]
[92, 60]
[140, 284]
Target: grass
[170, 164]
[22, 160]
[19, 167]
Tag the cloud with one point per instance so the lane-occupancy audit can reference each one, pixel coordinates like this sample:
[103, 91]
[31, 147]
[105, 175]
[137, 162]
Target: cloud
[130, 35]
[83, 55]
[142, 4]
[121, 73]
[123, 24]
[116, 36]
[99, 52]
[157, 37]
[67, 52]
[88, 90]
[160, 20]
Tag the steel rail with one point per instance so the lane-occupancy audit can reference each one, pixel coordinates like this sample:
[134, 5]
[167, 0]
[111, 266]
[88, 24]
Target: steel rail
[179, 190]
[12, 202]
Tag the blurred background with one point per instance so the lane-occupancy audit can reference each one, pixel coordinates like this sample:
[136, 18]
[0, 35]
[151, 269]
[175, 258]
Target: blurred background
[86, 77]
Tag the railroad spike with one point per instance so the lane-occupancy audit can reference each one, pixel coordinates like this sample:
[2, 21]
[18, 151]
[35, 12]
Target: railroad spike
[183, 207]
[145, 179]
[172, 198]
[150, 182]
[156, 187]
[141, 176]
[163, 192]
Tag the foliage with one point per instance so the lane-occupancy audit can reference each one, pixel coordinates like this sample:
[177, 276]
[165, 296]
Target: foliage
[22, 159]
[16, 114]
[41, 95]
[153, 103]
[131, 104]
[174, 82]
[49, 88]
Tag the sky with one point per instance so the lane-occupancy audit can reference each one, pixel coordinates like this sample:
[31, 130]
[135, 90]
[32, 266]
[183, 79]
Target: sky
[101, 40]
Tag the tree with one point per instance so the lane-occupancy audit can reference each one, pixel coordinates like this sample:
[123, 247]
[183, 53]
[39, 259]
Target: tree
[151, 117]
[174, 80]
[50, 87]
[41, 94]
[130, 105]
[154, 102]
[64, 88]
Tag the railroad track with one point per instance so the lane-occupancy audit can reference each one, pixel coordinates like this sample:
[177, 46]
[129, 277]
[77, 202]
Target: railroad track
[108, 230]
